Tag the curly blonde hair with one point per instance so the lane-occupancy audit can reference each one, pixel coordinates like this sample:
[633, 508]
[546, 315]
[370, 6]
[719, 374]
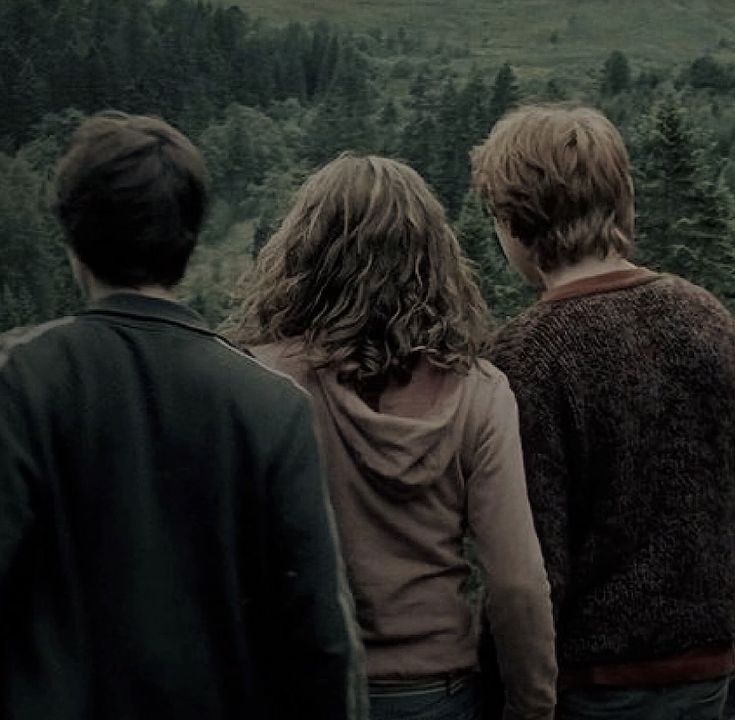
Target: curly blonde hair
[366, 272]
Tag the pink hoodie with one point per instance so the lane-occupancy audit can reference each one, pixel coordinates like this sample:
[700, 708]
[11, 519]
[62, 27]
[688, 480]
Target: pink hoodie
[440, 457]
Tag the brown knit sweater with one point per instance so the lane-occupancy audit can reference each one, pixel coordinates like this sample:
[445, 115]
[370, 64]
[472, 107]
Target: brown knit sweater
[626, 390]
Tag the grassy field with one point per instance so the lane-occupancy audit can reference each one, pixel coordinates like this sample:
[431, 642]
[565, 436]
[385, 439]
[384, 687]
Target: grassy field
[536, 36]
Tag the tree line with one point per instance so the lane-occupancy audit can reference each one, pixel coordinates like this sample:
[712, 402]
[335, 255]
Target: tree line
[269, 103]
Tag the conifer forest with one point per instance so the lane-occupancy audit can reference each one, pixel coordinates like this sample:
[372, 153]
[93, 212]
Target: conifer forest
[270, 90]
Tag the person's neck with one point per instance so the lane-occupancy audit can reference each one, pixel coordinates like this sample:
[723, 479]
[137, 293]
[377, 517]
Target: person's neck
[588, 267]
[99, 290]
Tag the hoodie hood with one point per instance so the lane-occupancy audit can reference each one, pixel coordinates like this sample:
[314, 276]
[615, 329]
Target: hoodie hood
[407, 443]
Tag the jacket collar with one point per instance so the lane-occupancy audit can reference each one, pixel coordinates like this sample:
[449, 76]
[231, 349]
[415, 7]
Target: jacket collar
[596, 284]
[143, 307]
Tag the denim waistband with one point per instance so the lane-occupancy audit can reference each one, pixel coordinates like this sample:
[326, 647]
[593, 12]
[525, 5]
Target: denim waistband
[447, 684]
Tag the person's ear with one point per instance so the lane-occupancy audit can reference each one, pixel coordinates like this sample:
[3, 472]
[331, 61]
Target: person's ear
[518, 254]
[81, 273]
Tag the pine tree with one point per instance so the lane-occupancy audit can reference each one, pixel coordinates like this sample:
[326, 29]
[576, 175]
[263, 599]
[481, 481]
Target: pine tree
[450, 164]
[504, 292]
[388, 119]
[504, 93]
[291, 70]
[65, 91]
[706, 72]
[26, 22]
[475, 110]
[342, 120]
[615, 74]
[420, 137]
[687, 213]
[27, 240]
[99, 87]
[325, 64]
[555, 91]
[31, 99]
[464, 121]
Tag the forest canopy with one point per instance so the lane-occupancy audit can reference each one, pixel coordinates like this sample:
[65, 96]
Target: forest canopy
[267, 102]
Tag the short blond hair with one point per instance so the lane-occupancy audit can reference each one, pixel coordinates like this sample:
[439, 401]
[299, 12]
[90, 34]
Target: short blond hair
[559, 177]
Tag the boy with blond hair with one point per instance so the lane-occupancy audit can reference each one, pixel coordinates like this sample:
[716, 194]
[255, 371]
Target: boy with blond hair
[625, 381]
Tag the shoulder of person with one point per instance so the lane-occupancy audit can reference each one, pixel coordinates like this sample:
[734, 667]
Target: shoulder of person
[680, 287]
[268, 364]
[29, 337]
[486, 376]
[527, 346]
[488, 390]
[287, 356]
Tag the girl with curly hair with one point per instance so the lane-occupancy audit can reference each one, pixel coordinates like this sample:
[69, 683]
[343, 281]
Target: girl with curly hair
[363, 296]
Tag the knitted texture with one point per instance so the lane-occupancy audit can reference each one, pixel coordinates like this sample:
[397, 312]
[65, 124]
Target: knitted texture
[627, 403]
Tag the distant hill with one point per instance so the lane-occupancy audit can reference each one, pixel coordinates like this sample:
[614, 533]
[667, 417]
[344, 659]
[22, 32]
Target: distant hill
[536, 36]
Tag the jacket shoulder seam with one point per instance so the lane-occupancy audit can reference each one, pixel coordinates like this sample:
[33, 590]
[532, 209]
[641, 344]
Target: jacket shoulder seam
[13, 339]
[252, 359]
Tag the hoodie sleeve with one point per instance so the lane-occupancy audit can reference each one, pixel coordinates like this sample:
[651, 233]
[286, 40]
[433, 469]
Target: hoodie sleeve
[321, 666]
[518, 597]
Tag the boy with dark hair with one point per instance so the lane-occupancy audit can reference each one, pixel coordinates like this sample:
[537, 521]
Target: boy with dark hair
[625, 380]
[166, 547]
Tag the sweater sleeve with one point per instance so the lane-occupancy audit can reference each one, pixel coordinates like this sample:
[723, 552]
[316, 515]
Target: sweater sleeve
[518, 604]
[543, 415]
[321, 666]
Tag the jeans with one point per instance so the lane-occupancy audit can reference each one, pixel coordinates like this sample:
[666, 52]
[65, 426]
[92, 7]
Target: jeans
[463, 703]
[690, 701]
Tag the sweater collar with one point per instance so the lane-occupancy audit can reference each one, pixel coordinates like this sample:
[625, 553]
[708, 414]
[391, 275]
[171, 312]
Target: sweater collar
[143, 307]
[606, 282]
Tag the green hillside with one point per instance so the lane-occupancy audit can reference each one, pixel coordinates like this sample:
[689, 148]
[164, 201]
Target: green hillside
[536, 36]
[268, 95]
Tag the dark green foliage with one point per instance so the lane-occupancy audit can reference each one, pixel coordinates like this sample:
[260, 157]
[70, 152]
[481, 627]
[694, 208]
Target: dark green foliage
[554, 91]
[686, 210]
[267, 103]
[446, 120]
[178, 58]
[504, 93]
[706, 72]
[420, 139]
[36, 283]
[503, 290]
[464, 122]
[240, 149]
[387, 125]
[615, 74]
[343, 119]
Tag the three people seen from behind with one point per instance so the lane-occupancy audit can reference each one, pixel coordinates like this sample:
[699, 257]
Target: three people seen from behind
[625, 381]
[173, 543]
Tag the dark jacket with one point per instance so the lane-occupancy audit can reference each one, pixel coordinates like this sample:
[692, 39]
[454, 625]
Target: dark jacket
[166, 550]
[626, 389]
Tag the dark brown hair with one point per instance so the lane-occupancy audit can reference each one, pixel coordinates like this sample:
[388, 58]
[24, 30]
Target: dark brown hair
[366, 271]
[559, 178]
[131, 194]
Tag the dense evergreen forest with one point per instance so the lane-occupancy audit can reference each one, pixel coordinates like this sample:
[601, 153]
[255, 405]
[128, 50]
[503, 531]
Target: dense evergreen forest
[267, 102]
